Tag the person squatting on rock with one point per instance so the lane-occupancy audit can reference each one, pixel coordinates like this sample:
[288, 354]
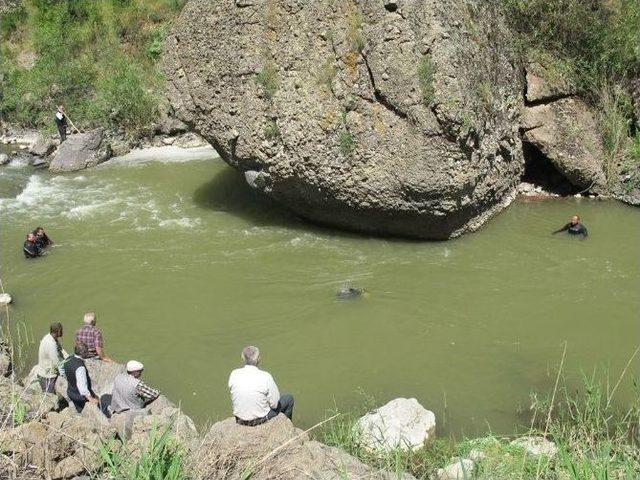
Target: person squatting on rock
[50, 355]
[61, 123]
[31, 248]
[574, 227]
[129, 392]
[91, 336]
[254, 394]
[78, 380]
[42, 239]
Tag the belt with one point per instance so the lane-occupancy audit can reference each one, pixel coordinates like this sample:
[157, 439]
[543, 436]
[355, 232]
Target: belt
[251, 423]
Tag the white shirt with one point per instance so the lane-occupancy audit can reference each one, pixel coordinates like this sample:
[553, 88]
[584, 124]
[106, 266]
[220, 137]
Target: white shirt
[48, 357]
[81, 381]
[253, 392]
[59, 115]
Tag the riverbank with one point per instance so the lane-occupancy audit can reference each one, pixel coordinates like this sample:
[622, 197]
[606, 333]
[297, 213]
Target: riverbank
[574, 434]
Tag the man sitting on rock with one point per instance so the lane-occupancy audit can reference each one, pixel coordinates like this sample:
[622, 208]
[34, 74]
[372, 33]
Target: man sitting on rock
[50, 354]
[78, 380]
[91, 336]
[254, 394]
[129, 392]
[42, 239]
[30, 247]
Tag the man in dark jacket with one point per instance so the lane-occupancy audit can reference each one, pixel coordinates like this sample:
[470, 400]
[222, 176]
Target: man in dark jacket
[78, 380]
[574, 227]
[30, 247]
[42, 239]
[61, 123]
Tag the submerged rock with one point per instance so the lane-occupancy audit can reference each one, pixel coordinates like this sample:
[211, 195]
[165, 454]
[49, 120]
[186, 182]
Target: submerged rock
[386, 119]
[4, 159]
[346, 293]
[401, 423]
[80, 151]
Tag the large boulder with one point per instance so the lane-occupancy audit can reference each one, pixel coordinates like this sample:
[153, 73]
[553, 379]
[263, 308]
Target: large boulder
[80, 151]
[275, 449]
[546, 83]
[566, 132]
[397, 118]
[401, 423]
[42, 147]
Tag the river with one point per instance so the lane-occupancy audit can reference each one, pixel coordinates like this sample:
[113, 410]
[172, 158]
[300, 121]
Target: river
[185, 265]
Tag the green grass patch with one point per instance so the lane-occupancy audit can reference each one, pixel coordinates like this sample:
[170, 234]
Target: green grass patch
[268, 79]
[426, 71]
[271, 131]
[346, 142]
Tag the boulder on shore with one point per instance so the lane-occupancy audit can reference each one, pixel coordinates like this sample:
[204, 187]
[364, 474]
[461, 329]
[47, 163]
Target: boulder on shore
[275, 449]
[386, 119]
[80, 151]
[536, 446]
[43, 146]
[401, 423]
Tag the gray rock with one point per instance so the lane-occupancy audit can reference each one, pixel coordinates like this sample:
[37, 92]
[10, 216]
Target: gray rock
[402, 423]
[5, 299]
[119, 147]
[4, 159]
[359, 118]
[43, 147]
[536, 446]
[566, 132]
[80, 151]
[189, 140]
[170, 125]
[228, 449]
[461, 469]
[545, 84]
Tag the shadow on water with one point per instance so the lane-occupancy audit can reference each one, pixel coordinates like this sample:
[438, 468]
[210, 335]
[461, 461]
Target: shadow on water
[228, 192]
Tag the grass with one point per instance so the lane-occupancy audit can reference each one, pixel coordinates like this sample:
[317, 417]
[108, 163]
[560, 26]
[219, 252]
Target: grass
[268, 79]
[426, 72]
[100, 59]
[595, 439]
[346, 142]
[161, 460]
[271, 131]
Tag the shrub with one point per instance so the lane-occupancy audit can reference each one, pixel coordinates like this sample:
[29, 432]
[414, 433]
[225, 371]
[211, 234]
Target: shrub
[268, 79]
[271, 131]
[346, 142]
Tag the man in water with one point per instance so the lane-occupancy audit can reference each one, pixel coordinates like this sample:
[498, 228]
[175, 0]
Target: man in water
[254, 394]
[42, 239]
[61, 123]
[129, 392]
[574, 227]
[91, 336]
[78, 381]
[50, 354]
[30, 247]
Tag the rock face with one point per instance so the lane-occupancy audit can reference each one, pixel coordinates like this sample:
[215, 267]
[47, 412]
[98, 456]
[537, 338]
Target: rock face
[400, 423]
[544, 86]
[80, 151]
[390, 118]
[275, 449]
[566, 132]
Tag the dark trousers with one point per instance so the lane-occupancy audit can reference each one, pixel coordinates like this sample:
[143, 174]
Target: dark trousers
[63, 133]
[285, 406]
[48, 385]
[79, 404]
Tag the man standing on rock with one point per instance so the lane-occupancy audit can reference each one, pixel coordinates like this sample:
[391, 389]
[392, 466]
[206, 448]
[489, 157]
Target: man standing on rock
[61, 123]
[91, 336]
[50, 354]
[78, 381]
[254, 394]
[129, 392]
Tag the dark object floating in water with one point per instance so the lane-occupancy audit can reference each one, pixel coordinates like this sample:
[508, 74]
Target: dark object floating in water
[346, 293]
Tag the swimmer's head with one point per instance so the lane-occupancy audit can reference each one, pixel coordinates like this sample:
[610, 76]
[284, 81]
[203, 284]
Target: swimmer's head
[31, 237]
[575, 220]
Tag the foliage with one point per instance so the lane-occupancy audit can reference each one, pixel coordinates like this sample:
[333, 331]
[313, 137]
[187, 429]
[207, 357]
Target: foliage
[271, 131]
[18, 410]
[346, 142]
[268, 79]
[426, 72]
[99, 59]
[162, 460]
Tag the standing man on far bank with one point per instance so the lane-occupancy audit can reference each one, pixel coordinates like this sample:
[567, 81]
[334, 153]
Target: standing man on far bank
[61, 123]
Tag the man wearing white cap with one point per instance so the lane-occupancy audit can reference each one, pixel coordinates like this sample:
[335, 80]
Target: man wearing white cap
[129, 392]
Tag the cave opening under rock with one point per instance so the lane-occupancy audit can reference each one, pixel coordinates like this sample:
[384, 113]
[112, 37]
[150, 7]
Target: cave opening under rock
[540, 171]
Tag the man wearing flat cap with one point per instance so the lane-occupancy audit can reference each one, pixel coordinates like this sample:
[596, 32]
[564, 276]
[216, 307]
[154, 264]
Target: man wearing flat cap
[129, 392]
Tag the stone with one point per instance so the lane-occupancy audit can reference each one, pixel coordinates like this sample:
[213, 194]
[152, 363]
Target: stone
[169, 125]
[80, 151]
[5, 299]
[4, 159]
[275, 449]
[477, 455]
[536, 446]
[6, 365]
[119, 148]
[546, 84]
[189, 140]
[461, 469]
[431, 152]
[43, 147]
[565, 131]
[401, 423]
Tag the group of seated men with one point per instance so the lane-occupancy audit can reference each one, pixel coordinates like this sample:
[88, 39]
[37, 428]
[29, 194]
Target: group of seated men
[36, 243]
[254, 394]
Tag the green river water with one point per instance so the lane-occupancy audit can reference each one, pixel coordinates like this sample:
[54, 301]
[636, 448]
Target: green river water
[184, 265]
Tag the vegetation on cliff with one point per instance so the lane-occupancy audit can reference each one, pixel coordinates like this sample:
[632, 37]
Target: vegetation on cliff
[97, 58]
